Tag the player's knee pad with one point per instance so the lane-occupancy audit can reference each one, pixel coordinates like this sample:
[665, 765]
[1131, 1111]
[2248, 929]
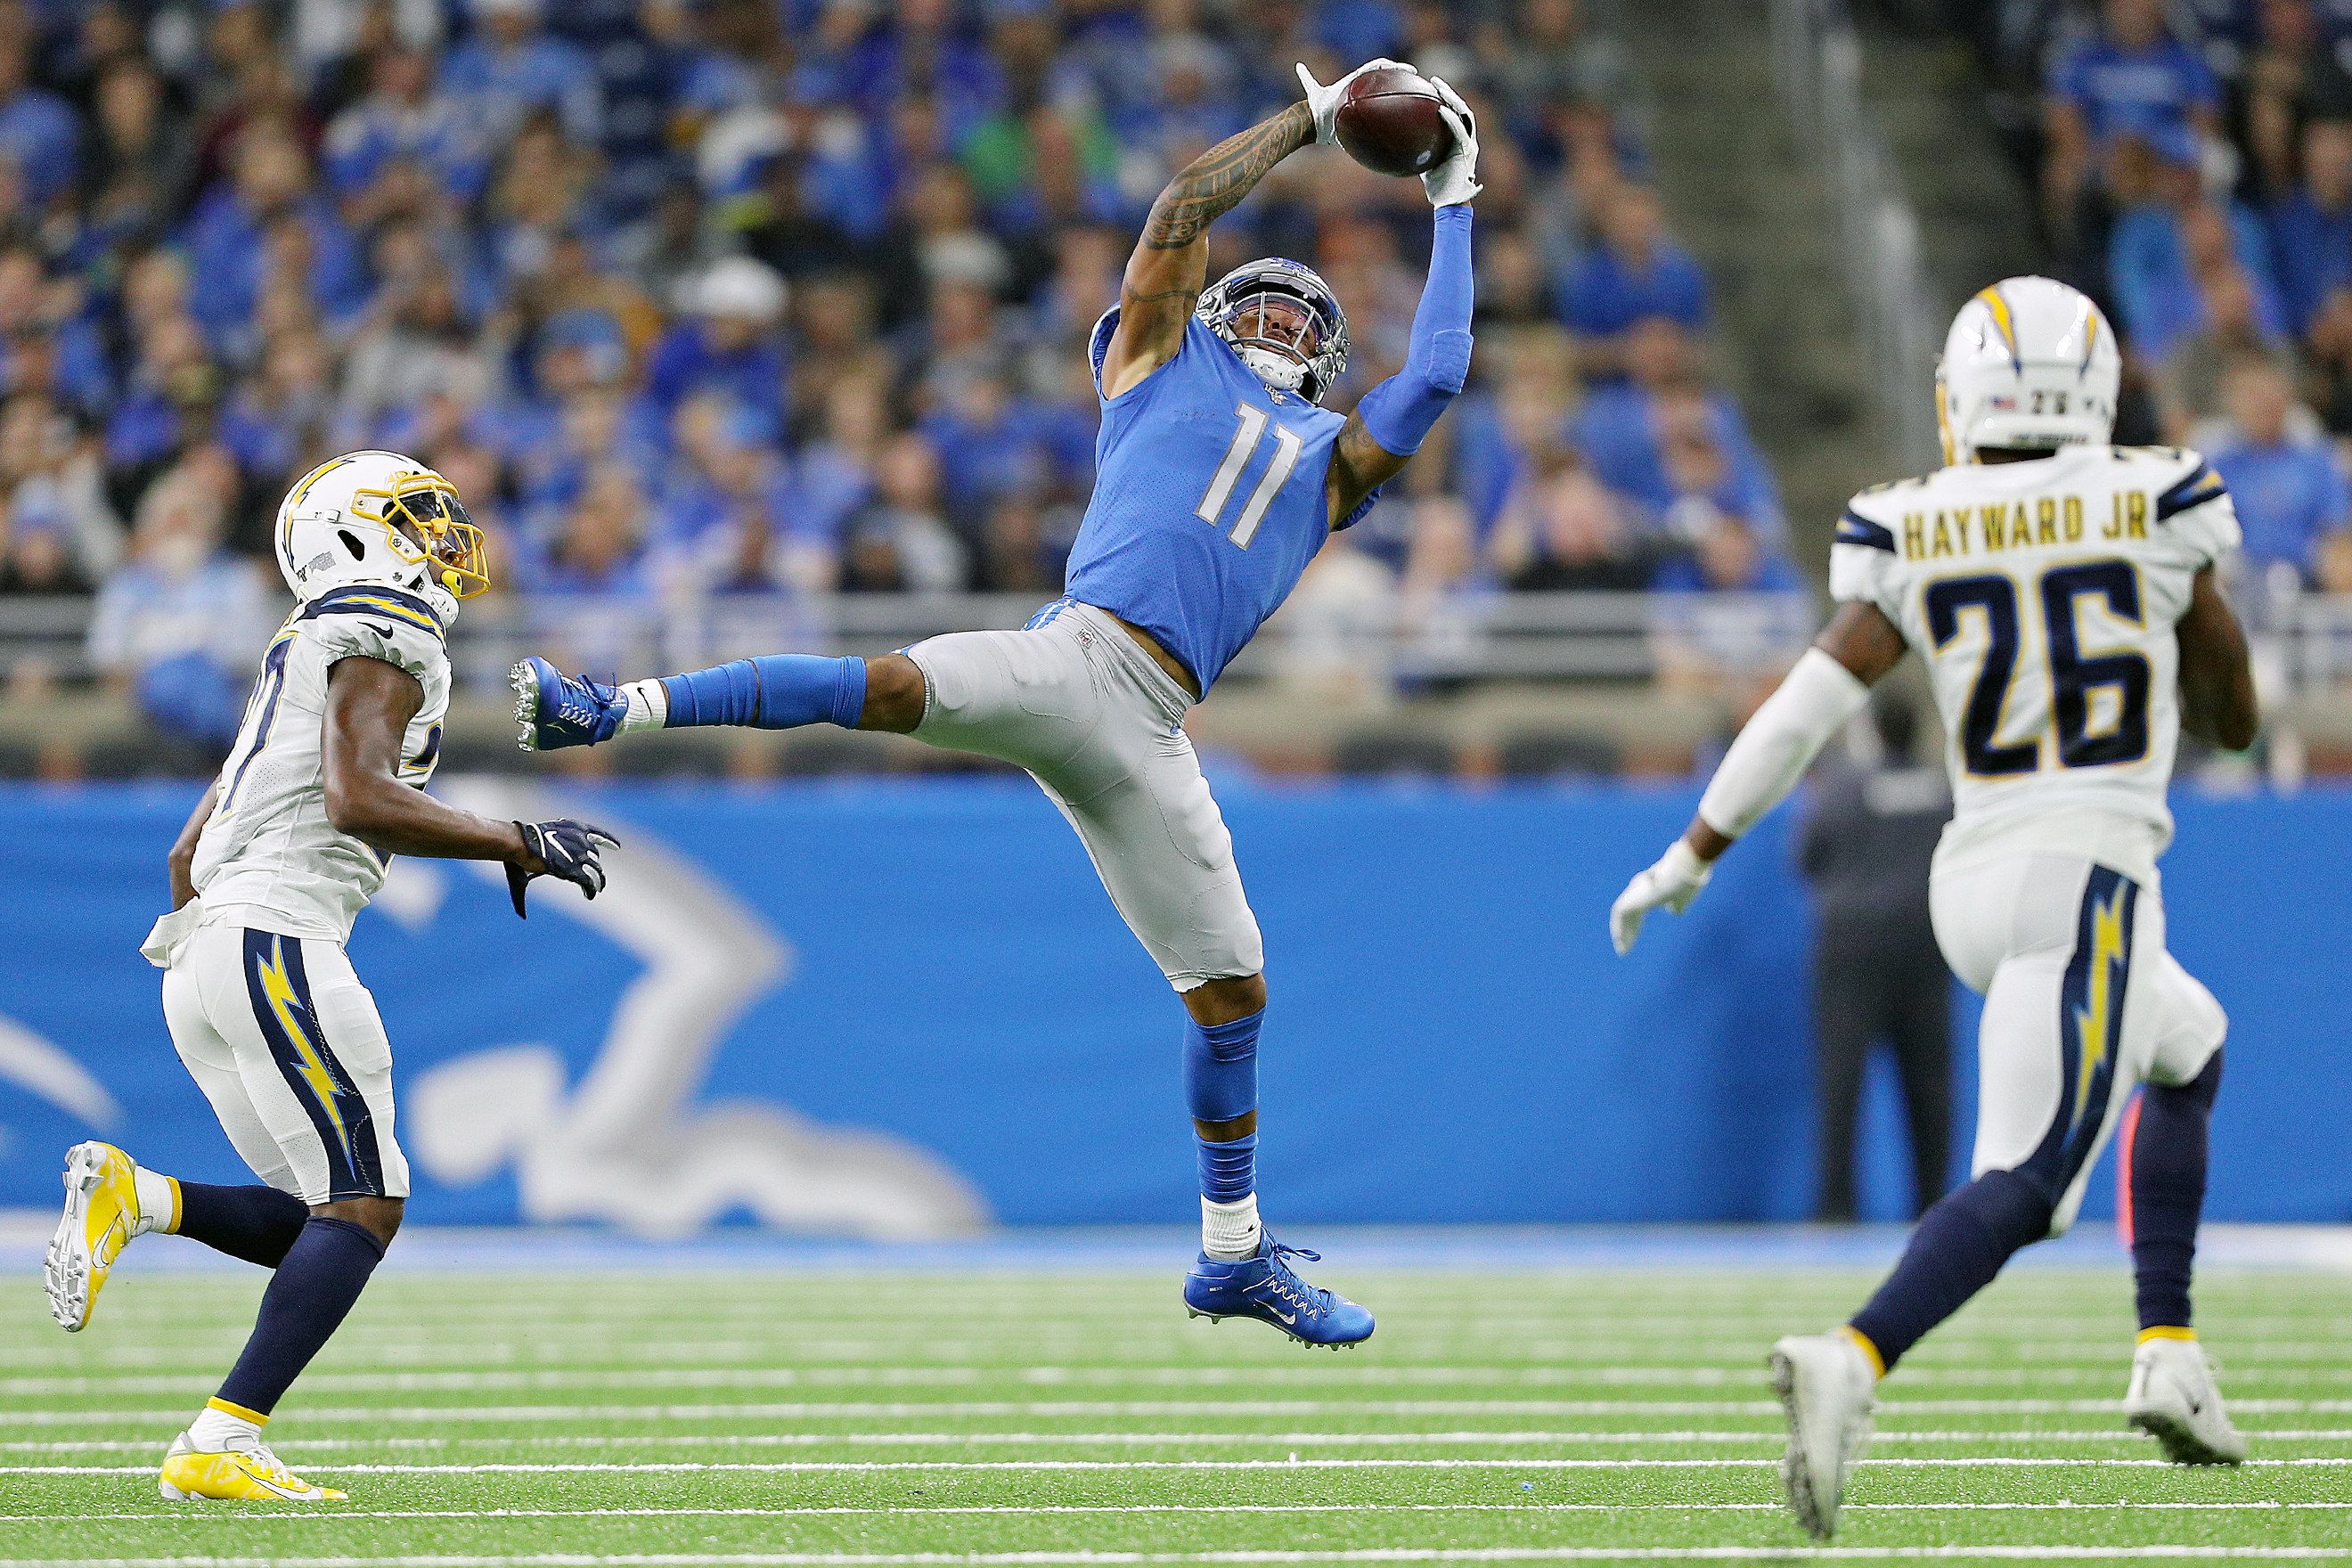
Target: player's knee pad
[2192, 1029]
[1221, 1067]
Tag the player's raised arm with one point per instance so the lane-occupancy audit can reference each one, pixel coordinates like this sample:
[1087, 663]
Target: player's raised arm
[369, 705]
[1829, 686]
[1393, 419]
[1169, 266]
[2217, 677]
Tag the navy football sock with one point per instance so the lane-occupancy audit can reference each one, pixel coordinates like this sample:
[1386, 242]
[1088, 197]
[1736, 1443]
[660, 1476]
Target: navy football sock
[256, 1224]
[1221, 1085]
[322, 1274]
[781, 691]
[1958, 1246]
[2166, 1158]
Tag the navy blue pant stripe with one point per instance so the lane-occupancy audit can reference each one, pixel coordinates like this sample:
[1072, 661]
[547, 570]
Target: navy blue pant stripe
[354, 1164]
[2110, 901]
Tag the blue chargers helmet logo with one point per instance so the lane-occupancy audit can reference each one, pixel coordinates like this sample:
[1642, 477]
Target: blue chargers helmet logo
[1309, 367]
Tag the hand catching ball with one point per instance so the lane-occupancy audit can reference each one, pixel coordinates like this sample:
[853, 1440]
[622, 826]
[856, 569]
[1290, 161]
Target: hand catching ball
[1389, 121]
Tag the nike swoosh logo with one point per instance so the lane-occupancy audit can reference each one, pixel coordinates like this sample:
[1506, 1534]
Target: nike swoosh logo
[1285, 1317]
[385, 632]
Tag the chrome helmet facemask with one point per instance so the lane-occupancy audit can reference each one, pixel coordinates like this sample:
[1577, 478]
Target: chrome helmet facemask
[1297, 336]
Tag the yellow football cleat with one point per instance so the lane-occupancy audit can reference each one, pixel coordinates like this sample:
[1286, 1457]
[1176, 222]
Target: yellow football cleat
[101, 1215]
[247, 1475]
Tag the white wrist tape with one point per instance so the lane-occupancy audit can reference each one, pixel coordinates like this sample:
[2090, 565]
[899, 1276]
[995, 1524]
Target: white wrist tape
[1773, 752]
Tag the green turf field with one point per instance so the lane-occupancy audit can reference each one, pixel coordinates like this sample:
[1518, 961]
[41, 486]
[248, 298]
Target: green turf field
[791, 1417]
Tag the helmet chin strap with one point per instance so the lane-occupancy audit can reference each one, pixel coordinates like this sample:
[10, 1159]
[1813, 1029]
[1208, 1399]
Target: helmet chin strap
[1278, 371]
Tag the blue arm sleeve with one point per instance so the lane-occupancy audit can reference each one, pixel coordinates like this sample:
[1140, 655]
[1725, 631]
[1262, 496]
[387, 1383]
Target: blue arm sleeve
[1401, 411]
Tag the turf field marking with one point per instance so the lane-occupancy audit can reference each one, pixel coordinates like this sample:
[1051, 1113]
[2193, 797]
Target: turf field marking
[1741, 1375]
[1149, 1406]
[1076, 1559]
[330, 1516]
[815, 1467]
[2117, 1434]
[1101, 1409]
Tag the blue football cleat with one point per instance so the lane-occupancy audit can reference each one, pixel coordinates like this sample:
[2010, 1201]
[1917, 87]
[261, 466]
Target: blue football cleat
[556, 709]
[1263, 1286]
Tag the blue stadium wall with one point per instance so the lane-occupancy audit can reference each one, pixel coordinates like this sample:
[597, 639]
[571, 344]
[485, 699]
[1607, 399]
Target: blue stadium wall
[908, 1009]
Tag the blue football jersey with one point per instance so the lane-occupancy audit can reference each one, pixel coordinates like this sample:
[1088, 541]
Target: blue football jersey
[1208, 503]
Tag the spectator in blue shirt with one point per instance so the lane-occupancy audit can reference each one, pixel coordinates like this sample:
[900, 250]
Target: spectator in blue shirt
[2288, 483]
[2311, 227]
[37, 129]
[179, 625]
[1626, 430]
[733, 345]
[1636, 273]
[403, 118]
[228, 237]
[2169, 247]
[509, 69]
[2131, 76]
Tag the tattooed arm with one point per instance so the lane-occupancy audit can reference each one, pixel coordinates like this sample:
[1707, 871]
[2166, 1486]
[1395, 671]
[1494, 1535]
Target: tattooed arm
[1171, 264]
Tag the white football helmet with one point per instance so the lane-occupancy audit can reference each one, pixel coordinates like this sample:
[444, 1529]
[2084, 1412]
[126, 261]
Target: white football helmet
[2028, 363]
[381, 520]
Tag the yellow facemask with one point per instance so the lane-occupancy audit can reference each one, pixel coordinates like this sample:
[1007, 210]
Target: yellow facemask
[427, 524]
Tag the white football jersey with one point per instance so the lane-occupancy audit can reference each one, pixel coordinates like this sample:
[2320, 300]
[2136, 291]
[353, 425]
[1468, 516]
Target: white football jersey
[269, 857]
[2043, 596]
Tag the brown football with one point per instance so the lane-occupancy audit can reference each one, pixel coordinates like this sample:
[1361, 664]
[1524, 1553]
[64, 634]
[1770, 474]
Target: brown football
[1388, 122]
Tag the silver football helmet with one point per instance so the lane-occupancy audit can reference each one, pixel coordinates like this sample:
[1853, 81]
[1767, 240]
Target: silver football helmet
[1296, 339]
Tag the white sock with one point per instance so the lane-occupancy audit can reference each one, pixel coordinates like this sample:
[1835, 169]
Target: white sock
[218, 1431]
[159, 1201]
[648, 706]
[1229, 1232]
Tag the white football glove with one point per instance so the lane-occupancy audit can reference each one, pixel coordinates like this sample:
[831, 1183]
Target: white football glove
[1324, 102]
[1673, 882]
[1455, 181]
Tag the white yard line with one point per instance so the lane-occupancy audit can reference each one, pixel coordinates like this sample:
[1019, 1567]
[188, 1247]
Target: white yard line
[1089, 1559]
[1739, 1374]
[1761, 1435]
[338, 1515]
[815, 1467]
[375, 1357]
[818, 1410]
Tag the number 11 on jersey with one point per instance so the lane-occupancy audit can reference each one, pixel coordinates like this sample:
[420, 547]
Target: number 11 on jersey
[1287, 448]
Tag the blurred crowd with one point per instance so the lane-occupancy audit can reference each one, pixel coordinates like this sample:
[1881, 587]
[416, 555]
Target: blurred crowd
[696, 300]
[2195, 167]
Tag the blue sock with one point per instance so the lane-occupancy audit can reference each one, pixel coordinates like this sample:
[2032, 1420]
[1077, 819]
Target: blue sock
[256, 1224]
[323, 1273]
[2168, 1192]
[1958, 1246]
[1220, 1085]
[781, 691]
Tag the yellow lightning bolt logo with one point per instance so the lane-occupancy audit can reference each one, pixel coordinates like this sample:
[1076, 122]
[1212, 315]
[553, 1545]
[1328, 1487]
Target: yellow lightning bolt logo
[2094, 1018]
[276, 987]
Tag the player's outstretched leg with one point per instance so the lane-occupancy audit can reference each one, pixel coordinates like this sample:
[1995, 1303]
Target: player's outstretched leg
[320, 1276]
[2172, 1397]
[1243, 1272]
[111, 1199]
[780, 691]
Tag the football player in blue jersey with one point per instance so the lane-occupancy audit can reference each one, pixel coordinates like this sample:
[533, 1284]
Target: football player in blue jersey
[1219, 475]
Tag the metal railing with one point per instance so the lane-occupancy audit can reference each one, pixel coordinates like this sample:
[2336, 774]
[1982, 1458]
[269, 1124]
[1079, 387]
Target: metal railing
[1817, 65]
[1562, 636]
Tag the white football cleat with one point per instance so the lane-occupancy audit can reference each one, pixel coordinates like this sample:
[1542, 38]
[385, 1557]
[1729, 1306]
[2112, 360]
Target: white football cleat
[1828, 1386]
[2174, 1400]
